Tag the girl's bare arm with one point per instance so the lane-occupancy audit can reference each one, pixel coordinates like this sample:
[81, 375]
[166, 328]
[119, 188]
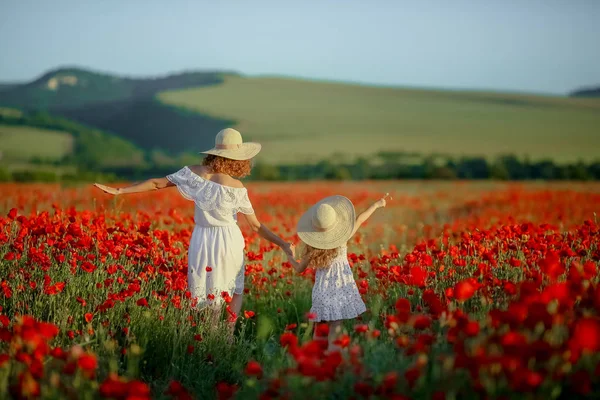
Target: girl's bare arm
[298, 266]
[364, 216]
[146, 186]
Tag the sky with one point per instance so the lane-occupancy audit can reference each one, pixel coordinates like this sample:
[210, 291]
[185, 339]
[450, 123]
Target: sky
[537, 46]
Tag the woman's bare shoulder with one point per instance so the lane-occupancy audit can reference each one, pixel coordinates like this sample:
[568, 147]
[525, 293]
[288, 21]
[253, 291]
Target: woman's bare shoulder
[231, 182]
[221, 179]
[198, 169]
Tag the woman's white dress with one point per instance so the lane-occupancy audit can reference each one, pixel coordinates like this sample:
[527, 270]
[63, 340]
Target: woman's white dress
[216, 252]
[335, 295]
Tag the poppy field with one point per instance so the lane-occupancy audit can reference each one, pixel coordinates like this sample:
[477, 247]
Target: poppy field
[473, 290]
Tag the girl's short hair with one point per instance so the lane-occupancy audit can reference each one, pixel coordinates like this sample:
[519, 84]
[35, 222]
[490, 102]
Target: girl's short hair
[221, 165]
[319, 258]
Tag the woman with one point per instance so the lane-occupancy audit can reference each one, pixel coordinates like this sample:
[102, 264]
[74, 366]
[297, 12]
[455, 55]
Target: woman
[216, 252]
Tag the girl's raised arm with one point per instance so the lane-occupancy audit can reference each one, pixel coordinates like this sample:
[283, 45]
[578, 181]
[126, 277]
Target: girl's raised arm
[362, 217]
[146, 186]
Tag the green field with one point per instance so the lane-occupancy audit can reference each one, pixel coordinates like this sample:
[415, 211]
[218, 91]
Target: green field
[300, 121]
[22, 143]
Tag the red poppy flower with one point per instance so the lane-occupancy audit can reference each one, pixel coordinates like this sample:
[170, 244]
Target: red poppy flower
[226, 391]
[87, 362]
[288, 339]
[142, 302]
[343, 341]
[322, 330]
[12, 214]
[465, 289]
[421, 322]
[254, 369]
[586, 335]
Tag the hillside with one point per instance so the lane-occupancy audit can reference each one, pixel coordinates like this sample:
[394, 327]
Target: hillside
[298, 121]
[74, 88]
[43, 144]
[39, 135]
[588, 92]
[123, 106]
[5, 85]
[303, 121]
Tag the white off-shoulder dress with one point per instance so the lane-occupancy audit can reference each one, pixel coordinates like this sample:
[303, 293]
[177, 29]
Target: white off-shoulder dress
[216, 251]
[335, 295]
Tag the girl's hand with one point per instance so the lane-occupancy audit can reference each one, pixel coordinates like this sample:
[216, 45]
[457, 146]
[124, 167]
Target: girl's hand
[293, 249]
[288, 249]
[382, 202]
[107, 189]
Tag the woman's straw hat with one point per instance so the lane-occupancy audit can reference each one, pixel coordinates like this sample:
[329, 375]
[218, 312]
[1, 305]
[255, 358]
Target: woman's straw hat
[328, 224]
[229, 144]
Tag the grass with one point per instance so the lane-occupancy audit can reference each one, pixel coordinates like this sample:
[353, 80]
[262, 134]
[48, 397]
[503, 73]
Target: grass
[300, 121]
[21, 143]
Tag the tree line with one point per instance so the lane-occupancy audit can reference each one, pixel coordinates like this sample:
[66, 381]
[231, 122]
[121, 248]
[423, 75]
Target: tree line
[101, 156]
[381, 168]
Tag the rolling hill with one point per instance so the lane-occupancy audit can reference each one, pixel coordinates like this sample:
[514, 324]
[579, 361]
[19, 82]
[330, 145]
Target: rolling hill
[305, 121]
[123, 106]
[76, 87]
[588, 92]
[38, 135]
[298, 121]
[43, 144]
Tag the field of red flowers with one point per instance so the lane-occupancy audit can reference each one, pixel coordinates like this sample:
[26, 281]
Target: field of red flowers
[473, 290]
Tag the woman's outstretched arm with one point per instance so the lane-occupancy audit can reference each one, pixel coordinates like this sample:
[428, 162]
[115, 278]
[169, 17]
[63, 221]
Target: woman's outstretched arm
[266, 233]
[146, 186]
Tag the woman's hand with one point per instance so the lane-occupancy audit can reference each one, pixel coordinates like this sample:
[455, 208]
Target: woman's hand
[107, 189]
[289, 249]
[293, 249]
[382, 202]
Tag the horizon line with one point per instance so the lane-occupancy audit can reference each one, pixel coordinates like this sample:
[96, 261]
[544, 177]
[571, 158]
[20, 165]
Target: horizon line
[297, 77]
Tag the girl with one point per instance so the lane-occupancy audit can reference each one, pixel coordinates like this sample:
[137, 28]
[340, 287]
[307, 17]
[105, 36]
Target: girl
[216, 250]
[325, 229]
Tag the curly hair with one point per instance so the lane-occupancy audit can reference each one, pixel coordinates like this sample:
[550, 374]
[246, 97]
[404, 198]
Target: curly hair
[220, 165]
[319, 258]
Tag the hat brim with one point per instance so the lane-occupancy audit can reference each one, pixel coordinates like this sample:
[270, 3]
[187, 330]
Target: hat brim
[336, 236]
[246, 151]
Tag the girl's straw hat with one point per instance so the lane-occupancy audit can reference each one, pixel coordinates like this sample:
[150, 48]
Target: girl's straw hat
[229, 144]
[328, 224]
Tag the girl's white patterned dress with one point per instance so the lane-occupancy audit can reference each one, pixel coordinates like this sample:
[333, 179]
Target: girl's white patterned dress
[335, 295]
[217, 241]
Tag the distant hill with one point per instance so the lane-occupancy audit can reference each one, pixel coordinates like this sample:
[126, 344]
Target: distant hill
[29, 135]
[120, 105]
[588, 92]
[5, 85]
[298, 121]
[301, 121]
[75, 88]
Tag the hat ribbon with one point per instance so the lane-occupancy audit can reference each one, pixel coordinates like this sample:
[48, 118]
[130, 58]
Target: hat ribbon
[228, 146]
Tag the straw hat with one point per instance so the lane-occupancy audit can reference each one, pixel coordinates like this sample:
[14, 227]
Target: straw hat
[229, 144]
[328, 224]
